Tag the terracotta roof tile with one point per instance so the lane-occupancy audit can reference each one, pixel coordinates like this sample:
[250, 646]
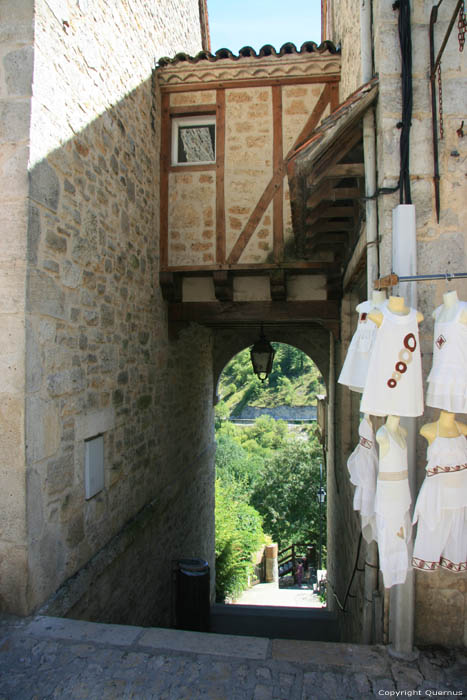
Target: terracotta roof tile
[249, 52]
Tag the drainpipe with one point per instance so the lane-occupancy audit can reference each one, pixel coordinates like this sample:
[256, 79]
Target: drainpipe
[369, 150]
[402, 597]
[369, 147]
[404, 262]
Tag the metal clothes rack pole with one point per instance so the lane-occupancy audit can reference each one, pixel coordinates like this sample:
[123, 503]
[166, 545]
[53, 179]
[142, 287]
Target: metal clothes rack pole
[393, 280]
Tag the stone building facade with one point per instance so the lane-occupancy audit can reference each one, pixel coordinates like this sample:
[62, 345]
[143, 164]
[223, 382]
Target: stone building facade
[110, 251]
[440, 602]
[85, 348]
[233, 214]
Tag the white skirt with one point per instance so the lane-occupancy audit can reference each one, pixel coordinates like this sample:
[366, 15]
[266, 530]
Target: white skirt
[441, 512]
[394, 530]
[447, 390]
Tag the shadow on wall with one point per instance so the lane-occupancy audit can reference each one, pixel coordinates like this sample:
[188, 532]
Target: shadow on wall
[99, 361]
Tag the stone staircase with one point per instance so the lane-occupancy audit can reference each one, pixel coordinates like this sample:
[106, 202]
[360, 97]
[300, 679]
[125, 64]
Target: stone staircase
[45, 657]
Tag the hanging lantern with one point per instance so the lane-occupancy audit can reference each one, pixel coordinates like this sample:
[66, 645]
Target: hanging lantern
[321, 495]
[262, 354]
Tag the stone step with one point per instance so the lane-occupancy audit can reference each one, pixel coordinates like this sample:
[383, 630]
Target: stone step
[311, 624]
[46, 657]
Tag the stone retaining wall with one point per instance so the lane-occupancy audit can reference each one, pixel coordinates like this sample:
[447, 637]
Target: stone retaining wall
[279, 412]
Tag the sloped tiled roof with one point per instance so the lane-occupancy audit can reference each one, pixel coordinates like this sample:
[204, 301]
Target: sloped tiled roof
[330, 128]
[326, 175]
[248, 52]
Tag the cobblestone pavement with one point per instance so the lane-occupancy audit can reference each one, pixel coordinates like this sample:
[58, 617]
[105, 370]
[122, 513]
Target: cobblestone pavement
[43, 658]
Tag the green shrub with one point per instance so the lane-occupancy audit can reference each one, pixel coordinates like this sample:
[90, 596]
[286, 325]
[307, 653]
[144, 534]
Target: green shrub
[238, 536]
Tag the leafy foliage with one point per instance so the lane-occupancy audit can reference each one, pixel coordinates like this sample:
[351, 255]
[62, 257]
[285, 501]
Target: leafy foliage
[266, 473]
[238, 535]
[295, 380]
[286, 492]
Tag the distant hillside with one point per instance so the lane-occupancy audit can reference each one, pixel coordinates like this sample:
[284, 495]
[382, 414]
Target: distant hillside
[294, 381]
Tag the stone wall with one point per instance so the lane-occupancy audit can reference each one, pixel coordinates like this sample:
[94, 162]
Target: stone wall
[344, 31]
[441, 246]
[288, 413]
[311, 339]
[343, 522]
[99, 359]
[192, 207]
[129, 580]
[16, 39]
[441, 603]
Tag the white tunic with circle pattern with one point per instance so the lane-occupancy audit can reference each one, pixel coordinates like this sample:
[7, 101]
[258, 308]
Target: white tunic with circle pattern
[394, 382]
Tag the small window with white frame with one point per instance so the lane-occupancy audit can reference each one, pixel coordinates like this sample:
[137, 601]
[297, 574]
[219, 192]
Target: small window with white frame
[194, 140]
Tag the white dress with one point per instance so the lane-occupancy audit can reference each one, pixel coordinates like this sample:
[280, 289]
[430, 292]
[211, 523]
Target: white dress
[447, 381]
[392, 505]
[441, 508]
[394, 385]
[363, 468]
[355, 368]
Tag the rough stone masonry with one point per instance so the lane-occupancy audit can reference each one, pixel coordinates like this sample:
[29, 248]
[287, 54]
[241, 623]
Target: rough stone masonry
[84, 349]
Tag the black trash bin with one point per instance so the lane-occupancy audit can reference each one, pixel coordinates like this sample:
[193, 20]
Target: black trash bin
[192, 607]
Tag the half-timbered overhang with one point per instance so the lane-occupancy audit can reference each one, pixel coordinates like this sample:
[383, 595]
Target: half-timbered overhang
[231, 128]
[326, 180]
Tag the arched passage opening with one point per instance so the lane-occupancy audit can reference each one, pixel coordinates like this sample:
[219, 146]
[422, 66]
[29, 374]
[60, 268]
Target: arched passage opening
[270, 457]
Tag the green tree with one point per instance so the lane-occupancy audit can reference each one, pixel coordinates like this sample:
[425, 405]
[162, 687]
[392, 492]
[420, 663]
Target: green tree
[295, 380]
[236, 468]
[238, 535]
[268, 432]
[286, 493]
[264, 471]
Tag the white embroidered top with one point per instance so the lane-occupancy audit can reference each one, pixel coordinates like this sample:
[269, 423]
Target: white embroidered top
[355, 368]
[363, 468]
[447, 381]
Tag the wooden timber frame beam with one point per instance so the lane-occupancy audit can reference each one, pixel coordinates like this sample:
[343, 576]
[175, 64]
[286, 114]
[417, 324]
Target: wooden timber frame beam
[220, 162]
[277, 153]
[335, 153]
[223, 285]
[216, 313]
[332, 78]
[273, 191]
[166, 134]
[278, 285]
[329, 168]
[312, 267]
[171, 286]
[328, 192]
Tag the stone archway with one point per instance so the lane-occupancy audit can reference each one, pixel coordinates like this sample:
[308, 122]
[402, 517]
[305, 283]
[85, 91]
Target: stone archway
[311, 338]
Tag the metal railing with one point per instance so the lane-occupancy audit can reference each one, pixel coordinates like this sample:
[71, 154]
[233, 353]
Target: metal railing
[287, 558]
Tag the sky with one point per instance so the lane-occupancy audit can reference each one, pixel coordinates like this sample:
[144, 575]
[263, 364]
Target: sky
[237, 23]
